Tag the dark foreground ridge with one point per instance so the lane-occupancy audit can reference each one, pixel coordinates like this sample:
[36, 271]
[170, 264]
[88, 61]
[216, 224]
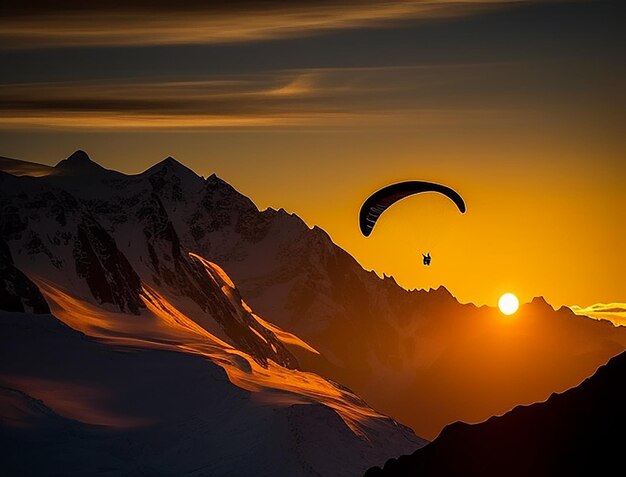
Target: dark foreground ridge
[579, 432]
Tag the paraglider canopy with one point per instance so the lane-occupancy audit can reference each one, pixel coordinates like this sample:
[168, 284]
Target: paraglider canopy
[382, 199]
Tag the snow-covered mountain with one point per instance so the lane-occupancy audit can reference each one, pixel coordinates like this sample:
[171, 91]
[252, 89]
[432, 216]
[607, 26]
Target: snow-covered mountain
[108, 238]
[419, 356]
[178, 374]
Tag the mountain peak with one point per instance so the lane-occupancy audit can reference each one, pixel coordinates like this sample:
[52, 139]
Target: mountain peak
[174, 180]
[169, 164]
[79, 161]
[172, 163]
[540, 301]
[214, 180]
[79, 156]
[441, 291]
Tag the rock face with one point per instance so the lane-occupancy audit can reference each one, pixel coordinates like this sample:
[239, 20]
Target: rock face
[106, 236]
[17, 292]
[579, 432]
[109, 275]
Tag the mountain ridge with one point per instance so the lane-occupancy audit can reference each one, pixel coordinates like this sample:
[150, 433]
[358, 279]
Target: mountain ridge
[106, 254]
[422, 342]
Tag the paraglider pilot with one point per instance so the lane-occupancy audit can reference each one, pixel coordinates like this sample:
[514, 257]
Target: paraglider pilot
[426, 259]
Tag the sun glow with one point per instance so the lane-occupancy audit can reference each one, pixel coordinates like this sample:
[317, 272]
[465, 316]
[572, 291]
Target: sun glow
[508, 303]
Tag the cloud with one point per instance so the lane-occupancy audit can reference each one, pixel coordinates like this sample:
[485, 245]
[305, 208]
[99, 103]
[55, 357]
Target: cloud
[613, 312]
[42, 24]
[348, 97]
[512, 93]
[285, 98]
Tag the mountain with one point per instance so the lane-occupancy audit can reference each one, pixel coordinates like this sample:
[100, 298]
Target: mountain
[109, 238]
[157, 365]
[579, 432]
[73, 405]
[419, 356]
[79, 163]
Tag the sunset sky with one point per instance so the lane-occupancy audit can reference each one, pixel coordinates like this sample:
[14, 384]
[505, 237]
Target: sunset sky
[519, 106]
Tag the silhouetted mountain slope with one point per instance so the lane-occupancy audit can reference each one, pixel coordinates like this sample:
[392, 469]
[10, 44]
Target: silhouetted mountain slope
[579, 432]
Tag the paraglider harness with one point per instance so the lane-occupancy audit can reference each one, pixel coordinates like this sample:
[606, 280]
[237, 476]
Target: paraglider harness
[426, 259]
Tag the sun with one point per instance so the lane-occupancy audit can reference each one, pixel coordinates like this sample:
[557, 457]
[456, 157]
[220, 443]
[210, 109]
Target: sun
[508, 303]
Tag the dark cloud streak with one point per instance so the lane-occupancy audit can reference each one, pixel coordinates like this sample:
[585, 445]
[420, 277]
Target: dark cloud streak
[591, 33]
[113, 23]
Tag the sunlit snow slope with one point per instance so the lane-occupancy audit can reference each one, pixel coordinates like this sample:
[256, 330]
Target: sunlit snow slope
[105, 252]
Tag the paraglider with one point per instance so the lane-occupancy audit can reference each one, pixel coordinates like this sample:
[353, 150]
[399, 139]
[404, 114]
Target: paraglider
[382, 199]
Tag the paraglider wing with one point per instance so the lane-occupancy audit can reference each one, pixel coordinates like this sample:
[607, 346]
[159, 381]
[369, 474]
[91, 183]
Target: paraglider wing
[382, 199]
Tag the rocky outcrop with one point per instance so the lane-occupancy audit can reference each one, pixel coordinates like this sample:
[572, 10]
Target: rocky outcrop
[98, 233]
[106, 270]
[17, 291]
